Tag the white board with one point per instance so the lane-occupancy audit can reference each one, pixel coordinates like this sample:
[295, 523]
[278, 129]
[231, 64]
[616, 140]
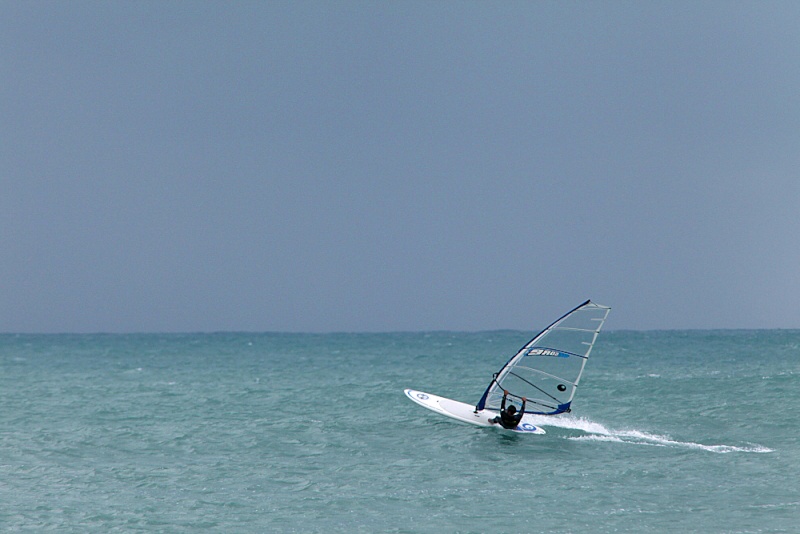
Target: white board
[466, 413]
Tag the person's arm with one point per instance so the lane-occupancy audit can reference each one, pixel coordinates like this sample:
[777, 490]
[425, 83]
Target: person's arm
[503, 404]
[521, 411]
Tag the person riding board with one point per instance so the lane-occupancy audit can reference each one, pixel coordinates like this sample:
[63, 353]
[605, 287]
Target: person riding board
[509, 418]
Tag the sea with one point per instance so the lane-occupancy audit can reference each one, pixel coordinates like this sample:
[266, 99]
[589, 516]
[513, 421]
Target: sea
[671, 431]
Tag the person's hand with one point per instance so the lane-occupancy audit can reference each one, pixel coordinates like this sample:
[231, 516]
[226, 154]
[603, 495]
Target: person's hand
[524, 399]
[505, 392]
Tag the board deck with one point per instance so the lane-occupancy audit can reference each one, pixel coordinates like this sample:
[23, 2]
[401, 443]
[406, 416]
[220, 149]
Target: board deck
[466, 413]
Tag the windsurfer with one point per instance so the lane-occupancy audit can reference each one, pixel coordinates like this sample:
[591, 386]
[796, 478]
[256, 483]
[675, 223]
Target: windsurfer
[509, 418]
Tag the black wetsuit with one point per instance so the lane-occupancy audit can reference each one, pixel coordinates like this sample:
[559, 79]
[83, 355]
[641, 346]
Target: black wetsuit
[506, 419]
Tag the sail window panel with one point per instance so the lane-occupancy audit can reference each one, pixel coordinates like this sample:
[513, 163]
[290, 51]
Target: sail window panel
[548, 390]
[571, 341]
[543, 392]
[562, 367]
[543, 378]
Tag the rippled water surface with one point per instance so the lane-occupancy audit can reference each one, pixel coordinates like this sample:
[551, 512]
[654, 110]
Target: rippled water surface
[670, 432]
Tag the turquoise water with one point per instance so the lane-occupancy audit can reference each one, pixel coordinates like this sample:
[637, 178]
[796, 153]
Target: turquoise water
[670, 432]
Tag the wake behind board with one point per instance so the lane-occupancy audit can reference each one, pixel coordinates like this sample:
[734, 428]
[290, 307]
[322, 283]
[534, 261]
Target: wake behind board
[464, 412]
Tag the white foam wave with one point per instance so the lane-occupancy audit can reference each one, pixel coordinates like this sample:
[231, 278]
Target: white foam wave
[597, 432]
[571, 423]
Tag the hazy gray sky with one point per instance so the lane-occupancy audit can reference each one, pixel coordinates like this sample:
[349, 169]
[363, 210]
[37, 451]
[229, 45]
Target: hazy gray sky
[363, 166]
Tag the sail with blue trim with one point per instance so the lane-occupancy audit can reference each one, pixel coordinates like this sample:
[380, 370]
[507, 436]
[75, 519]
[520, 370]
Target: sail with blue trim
[547, 370]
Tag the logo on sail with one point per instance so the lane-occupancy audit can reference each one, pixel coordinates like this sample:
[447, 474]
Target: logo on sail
[547, 352]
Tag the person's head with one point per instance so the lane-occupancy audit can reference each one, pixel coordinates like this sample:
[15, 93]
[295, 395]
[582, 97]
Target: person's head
[512, 409]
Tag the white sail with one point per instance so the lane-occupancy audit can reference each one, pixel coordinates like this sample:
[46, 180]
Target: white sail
[548, 368]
